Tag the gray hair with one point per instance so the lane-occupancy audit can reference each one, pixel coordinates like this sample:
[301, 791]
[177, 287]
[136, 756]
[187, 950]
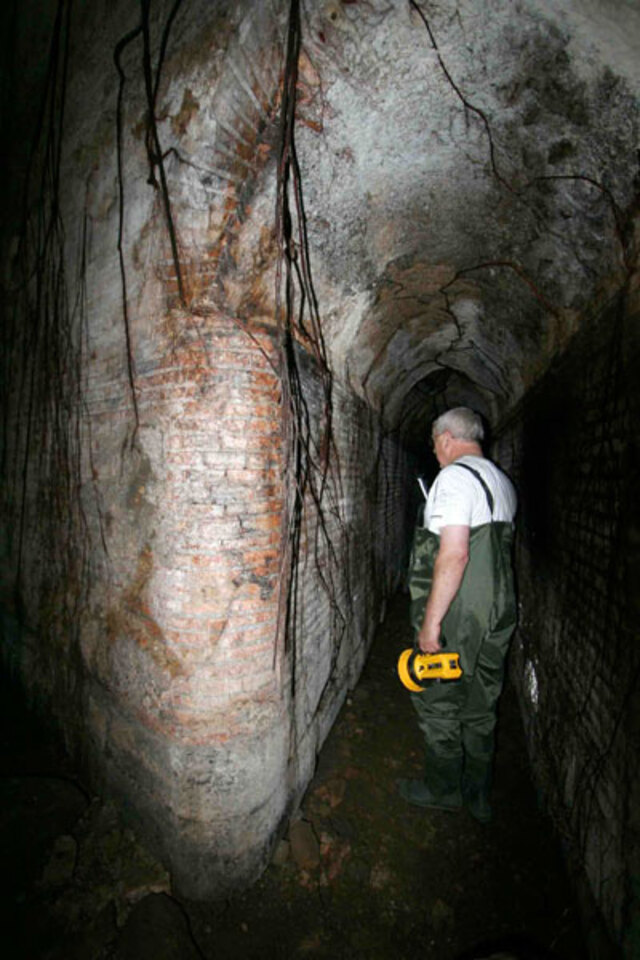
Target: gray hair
[462, 423]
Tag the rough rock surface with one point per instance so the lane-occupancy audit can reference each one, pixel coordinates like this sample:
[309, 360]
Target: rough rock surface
[466, 169]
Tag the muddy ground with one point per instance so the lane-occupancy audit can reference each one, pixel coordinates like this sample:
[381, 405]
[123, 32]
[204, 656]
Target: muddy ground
[360, 874]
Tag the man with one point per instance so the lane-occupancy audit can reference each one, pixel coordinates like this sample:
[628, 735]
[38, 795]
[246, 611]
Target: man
[463, 600]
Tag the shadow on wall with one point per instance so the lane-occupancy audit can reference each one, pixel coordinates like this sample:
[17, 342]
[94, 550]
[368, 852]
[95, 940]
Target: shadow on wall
[543, 466]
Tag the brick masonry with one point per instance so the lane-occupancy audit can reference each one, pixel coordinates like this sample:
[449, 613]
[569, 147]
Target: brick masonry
[576, 657]
[175, 689]
[145, 615]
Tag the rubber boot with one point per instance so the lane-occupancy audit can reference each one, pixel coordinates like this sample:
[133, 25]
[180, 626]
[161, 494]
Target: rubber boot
[476, 787]
[440, 788]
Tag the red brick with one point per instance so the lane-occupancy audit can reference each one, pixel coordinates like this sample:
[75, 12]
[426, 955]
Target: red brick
[272, 521]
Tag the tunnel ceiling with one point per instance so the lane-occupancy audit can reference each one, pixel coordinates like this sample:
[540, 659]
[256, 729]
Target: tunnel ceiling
[467, 170]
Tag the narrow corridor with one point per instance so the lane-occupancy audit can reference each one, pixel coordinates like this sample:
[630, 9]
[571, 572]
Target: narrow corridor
[359, 875]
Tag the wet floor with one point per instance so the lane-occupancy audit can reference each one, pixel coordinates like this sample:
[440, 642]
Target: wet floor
[360, 874]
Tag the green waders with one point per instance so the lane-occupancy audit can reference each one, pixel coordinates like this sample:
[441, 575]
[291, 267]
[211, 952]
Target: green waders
[458, 718]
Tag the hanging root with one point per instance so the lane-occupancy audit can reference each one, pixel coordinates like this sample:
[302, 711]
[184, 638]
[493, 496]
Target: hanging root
[312, 474]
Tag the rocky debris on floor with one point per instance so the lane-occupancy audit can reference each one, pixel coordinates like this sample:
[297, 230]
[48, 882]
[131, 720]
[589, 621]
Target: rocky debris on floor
[157, 929]
[34, 812]
[75, 889]
[62, 862]
[305, 849]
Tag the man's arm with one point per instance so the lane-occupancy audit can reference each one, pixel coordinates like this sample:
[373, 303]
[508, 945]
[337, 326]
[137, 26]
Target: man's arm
[451, 560]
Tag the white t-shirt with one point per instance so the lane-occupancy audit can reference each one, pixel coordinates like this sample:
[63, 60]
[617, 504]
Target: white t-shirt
[457, 497]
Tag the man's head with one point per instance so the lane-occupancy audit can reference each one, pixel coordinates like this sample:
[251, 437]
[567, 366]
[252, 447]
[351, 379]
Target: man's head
[455, 433]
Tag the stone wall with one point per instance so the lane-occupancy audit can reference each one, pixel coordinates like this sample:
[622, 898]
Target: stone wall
[576, 656]
[353, 549]
[165, 671]
[144, 456]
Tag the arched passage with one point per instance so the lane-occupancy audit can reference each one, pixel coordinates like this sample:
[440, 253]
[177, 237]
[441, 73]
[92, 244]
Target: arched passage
[185, 433]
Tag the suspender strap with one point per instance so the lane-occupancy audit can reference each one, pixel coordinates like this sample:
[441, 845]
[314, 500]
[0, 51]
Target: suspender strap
[487, 492]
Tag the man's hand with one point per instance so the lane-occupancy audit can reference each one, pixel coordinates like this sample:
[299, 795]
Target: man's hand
[448, 571]
[429, 638]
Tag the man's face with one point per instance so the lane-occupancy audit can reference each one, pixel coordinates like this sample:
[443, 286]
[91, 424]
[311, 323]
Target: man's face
[439, 444]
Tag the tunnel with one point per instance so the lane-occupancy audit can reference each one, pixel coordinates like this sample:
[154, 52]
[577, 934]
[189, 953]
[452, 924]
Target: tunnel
[250, 251]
